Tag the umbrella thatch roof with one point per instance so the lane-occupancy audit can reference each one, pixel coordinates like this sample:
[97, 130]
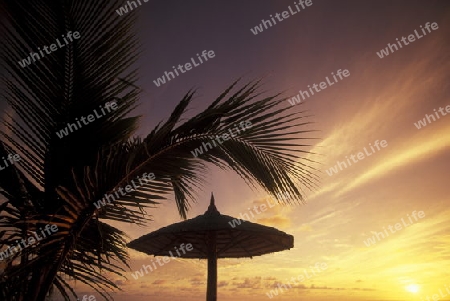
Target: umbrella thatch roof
[245, 240]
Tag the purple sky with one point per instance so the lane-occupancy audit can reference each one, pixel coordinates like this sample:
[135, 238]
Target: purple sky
[380, 100]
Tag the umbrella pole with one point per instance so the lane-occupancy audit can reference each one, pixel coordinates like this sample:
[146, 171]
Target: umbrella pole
[211, 290]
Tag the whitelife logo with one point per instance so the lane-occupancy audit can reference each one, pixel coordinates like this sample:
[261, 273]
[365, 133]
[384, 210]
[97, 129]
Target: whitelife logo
[411, 38]
[301, 278]
[109, 197]
[165, 260]
[26, 62]
[323, 85]
[199, 151]
[245, 217]
[285, 14]
[11, 159]
[90, 118]
[123, 10]
[50, 229]
[162, 80]
[423, 122]
[372, 241]
[437, 297]
[360, 155]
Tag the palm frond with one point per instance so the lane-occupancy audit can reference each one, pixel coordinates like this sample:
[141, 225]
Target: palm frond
[43, 98]
[60, 180]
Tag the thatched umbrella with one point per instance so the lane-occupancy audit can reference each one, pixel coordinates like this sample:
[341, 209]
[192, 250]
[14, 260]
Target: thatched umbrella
[212, 237]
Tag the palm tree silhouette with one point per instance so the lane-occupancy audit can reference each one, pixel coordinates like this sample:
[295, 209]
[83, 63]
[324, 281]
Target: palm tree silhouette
[57, 180]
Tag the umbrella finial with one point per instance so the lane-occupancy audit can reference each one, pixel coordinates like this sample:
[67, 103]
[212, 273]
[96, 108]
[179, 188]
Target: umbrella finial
[212, 207]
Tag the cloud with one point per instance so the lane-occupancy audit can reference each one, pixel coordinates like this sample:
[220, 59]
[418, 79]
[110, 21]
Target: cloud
[277, 221]
[197, 281]
[386, 110]
[415, 150]
[222, 283]
[253, 283]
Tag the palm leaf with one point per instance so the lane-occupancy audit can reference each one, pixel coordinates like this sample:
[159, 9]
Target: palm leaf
[59, 180]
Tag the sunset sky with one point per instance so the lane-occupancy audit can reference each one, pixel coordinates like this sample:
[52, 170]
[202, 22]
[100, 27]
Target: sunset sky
[380, 100]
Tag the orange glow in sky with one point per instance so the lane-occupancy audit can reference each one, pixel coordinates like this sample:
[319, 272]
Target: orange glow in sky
[380, 100]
